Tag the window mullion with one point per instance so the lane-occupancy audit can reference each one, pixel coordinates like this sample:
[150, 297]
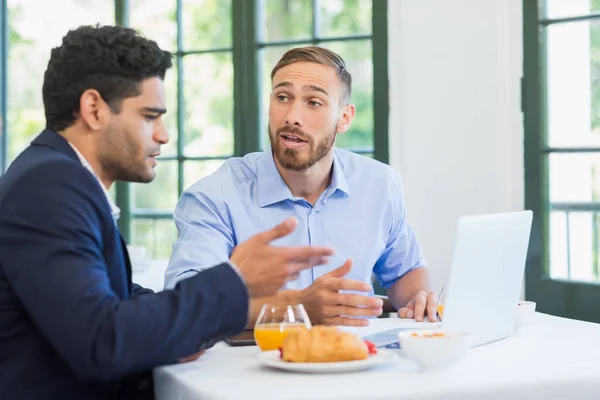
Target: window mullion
[3, 82]
[180, 98]
[316, 21]
[247, 82]
[380, 82]
[123, 195]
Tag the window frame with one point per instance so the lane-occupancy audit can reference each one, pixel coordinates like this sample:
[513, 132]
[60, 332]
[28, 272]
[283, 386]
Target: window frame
[4, 37]
[562, 297]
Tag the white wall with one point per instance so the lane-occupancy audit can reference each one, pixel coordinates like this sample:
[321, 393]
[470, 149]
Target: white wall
[456, 130]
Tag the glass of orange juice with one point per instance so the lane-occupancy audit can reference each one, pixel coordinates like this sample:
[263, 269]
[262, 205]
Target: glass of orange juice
[274, 323]
[440, 303]
[440, 310]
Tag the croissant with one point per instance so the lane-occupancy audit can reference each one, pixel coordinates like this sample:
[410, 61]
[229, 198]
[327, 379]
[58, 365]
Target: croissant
[323, 344]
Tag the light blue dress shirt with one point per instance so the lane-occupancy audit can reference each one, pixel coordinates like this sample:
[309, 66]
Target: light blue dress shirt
[361, 215]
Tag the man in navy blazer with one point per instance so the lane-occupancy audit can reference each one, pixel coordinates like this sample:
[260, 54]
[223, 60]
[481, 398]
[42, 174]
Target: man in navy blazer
[72, 323]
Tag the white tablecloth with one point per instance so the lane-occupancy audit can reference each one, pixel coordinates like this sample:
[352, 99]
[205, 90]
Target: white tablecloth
[150, 274]
[550, 358]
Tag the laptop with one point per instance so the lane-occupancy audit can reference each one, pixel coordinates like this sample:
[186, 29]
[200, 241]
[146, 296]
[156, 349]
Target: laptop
[485, 279]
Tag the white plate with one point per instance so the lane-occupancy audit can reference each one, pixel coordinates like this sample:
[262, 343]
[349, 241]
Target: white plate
[272, 359]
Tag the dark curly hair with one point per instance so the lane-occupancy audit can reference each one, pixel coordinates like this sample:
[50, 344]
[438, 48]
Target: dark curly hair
[111, 59]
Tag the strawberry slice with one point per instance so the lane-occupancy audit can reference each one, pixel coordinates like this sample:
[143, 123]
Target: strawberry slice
[281, 353]
[371, 346]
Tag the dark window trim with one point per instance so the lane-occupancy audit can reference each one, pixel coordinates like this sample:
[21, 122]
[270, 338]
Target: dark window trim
[567, 298]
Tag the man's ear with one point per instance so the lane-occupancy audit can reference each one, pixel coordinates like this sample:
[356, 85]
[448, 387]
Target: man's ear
[345, 121]
[93, 110]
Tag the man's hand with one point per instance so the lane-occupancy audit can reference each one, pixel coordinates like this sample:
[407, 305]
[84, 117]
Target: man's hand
[265, 268]
[422, 304]
[193, 357]
[326, 305]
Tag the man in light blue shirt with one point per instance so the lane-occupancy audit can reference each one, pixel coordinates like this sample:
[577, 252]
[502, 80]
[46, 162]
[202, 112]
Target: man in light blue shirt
[342, 200]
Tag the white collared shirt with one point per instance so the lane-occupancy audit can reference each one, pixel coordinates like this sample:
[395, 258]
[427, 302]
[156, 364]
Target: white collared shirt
[115, 211]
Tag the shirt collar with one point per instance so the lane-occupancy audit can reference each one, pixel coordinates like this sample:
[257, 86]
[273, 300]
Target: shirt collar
[273, 189]
[115, 211]
[338, 179]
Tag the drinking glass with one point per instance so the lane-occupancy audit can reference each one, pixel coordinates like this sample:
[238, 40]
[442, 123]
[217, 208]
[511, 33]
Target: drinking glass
[274, 323]
[440, 304]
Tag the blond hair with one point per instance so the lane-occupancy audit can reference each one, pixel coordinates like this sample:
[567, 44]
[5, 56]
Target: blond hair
[318, 55]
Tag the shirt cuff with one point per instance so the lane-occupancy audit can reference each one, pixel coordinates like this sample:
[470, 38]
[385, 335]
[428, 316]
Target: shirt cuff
[187, 274]
[237, 270]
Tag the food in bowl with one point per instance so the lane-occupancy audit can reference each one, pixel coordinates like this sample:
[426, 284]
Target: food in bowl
[322, 344]
[429, 335]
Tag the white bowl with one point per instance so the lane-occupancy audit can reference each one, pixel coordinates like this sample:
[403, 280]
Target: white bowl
[435, 353]
[525, 311]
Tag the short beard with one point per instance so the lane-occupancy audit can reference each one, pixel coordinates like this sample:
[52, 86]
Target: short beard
[118, 157]
[290, 159]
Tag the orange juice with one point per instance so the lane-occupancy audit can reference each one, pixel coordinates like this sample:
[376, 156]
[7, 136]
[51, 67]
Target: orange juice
[271, 336]
[440, 309]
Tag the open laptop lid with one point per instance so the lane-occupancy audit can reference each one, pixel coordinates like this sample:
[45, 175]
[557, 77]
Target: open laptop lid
[486, 274]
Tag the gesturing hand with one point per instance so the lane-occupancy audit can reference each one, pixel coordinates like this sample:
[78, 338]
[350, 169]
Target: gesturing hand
[326, 305]
[265, 268]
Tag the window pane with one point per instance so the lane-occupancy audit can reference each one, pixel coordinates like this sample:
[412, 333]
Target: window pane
[268, 57]
[574, 177]
[574, 256]
[170, 118]
[359, 62]
[193, 171]
[208, 91]
[570, 8]
[158, 235]
[573, 58]
[157, 20]
[286, 20]
[345, 17]
[32, 36]
[161, 193]
[206, 24]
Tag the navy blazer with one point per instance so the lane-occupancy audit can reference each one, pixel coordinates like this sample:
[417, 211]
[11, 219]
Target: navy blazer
[72, 324]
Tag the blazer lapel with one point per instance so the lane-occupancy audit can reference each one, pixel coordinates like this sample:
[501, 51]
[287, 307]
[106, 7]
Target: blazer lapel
[127, 263]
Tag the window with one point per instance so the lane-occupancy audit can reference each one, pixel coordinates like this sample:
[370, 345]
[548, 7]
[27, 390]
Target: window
[31, 36]
[218, 89]
[200, 101]
[562, 147]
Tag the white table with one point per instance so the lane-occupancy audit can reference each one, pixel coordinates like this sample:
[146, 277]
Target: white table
[151, 274]
[550, 358]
